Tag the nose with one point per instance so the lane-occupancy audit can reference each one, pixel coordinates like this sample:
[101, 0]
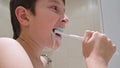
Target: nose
[65, 19]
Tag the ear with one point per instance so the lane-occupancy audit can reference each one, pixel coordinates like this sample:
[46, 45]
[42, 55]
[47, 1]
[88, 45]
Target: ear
[22, 15]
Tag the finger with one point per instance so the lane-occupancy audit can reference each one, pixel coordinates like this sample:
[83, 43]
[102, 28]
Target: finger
[94, 36]
[87, 35]
[115, 47]
[110, 41]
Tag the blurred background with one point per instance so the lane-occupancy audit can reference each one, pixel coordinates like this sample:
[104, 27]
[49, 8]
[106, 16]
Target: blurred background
[5, 25]
[96, 15]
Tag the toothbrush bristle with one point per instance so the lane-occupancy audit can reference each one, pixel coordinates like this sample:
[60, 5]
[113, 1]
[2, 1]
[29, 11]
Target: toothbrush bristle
[60, 29]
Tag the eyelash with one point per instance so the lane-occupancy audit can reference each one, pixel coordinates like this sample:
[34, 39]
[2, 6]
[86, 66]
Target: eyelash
[55, 8]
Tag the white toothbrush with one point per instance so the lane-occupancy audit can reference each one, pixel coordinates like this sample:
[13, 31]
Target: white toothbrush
[69, 35]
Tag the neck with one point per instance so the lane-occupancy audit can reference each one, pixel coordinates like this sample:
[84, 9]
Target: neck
[32, 48]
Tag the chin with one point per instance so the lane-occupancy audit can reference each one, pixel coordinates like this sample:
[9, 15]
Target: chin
[56, 44]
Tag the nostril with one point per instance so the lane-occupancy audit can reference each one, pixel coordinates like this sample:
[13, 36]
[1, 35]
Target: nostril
[65, 19]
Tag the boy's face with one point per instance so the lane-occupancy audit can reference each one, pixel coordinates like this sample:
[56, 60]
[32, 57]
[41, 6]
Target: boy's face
[49, 14]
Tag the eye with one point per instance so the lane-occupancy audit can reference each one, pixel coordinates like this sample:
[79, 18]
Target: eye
[55, 8]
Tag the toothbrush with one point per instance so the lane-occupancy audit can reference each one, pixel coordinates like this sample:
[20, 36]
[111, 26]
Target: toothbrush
[69, 35]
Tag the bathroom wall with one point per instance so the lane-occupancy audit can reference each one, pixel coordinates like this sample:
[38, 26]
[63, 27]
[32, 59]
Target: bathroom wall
[5, 25]
[110, 10]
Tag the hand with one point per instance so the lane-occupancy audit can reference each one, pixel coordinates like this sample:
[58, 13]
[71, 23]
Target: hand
[97, 49]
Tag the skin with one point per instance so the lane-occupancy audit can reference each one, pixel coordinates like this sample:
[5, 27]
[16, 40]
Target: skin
[97, 49]
[37, 33]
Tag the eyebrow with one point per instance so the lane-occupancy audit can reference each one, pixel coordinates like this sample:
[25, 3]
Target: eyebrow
[56, 1]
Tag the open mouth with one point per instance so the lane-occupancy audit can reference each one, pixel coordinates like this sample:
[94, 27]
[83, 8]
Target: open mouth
[57, 34]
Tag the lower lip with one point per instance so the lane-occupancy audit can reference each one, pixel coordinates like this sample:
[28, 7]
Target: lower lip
[58, 37]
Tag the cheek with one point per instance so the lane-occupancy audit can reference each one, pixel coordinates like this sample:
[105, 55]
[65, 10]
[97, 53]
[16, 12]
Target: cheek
[50, 18]
[47, 19]
[43, 23]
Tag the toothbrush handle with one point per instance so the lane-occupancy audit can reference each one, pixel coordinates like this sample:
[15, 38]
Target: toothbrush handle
[76, 37]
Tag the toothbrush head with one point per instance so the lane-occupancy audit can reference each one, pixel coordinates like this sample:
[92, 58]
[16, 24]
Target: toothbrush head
[59, 29]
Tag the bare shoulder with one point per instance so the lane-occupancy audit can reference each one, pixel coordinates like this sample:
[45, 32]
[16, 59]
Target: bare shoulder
[12, 55]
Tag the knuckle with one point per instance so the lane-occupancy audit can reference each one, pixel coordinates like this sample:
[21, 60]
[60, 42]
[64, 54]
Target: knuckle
[109, 41]
[103, 36]
[88, 42]
[114, 46]
[85, 42]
